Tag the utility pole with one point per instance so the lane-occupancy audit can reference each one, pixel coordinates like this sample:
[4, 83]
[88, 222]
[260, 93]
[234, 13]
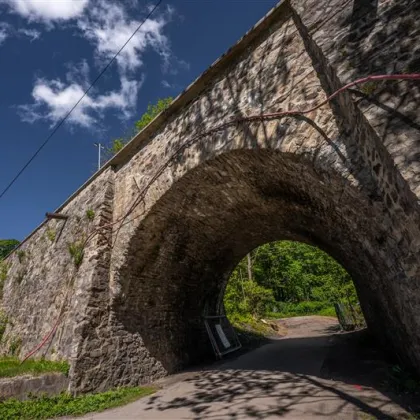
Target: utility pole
[99, 146]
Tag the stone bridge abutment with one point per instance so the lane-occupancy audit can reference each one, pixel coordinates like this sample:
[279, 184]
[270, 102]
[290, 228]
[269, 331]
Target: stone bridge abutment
[183, 202]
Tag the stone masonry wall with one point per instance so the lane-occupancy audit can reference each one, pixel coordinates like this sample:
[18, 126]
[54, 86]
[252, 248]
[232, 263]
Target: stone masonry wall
[184, 201]
[43, 283]
[361, 38]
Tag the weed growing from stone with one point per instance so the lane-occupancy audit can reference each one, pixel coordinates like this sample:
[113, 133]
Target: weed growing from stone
[21, 275]
[369, 88]
[90, 214]
[15, 345]
[4, 268]
[3, 324]
[12, 366]
[21, 254]
[76, 251]
[67, 405]
[51, 234]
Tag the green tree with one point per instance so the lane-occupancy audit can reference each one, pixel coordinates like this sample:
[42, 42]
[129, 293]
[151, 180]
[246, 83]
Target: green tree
[244, 296]
[287, 274]
[7, 246]
[152, 111]
[117, 145]
[299, 272]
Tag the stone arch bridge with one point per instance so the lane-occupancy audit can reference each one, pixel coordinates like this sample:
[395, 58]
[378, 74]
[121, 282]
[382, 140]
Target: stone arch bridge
[167, 219]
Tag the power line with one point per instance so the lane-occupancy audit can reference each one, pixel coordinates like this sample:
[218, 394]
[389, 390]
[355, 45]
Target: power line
[60, 123]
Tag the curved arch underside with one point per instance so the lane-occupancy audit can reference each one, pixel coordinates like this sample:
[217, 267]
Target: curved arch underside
[185, 249]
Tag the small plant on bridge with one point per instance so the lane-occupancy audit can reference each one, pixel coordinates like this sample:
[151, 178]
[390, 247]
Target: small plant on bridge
[21, 254]
[90, 214]
[4, 269]
[145, 119]
[76, 250]
[3, 324]
[51, 234]
[14, 346]
[369, 88]
[20, 275]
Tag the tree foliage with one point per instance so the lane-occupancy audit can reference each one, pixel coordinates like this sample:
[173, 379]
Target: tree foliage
[117, 145]
[287, 274]
[152, 111]
[7, 246]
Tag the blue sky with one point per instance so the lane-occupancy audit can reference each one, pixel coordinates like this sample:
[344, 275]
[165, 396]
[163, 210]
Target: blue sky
[50, 50]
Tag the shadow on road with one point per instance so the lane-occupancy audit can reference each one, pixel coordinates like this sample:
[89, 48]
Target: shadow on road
[290, 384]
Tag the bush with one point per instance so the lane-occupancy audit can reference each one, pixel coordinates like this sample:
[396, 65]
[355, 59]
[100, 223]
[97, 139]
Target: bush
[329, 311]
[7, 246]
[254, 299]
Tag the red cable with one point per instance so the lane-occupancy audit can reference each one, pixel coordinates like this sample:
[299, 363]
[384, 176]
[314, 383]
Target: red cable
[414, 76]
[261, 117]
[46, 338]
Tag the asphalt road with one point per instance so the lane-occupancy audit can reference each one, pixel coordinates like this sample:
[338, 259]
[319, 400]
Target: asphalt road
[281, 379]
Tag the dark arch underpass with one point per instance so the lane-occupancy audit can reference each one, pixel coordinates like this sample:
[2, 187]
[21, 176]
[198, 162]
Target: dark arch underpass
[197, 233]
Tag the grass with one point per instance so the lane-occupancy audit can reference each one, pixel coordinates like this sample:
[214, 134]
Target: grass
[253, 332]
[330, 311]
[289, 310]
[67, 405]
[11, 366]
[250, 324]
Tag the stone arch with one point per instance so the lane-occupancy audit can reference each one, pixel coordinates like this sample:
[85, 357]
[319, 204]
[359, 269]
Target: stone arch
[243, 188]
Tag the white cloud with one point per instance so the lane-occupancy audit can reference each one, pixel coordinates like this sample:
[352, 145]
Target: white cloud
[4, 31]
[107, 26]
[166, 84]
[33, 34]
[7, 31]
[53, 99]
[47, 10]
